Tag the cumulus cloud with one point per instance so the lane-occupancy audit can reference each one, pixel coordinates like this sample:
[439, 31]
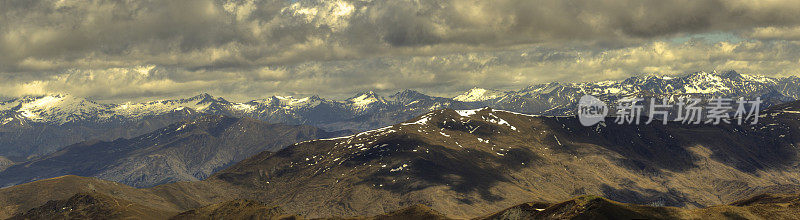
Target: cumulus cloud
[254, 48]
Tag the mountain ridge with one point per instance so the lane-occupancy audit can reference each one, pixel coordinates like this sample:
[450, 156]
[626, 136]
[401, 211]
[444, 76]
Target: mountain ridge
[72, 119]
[186, 151]
[467, 162]
[46, 108]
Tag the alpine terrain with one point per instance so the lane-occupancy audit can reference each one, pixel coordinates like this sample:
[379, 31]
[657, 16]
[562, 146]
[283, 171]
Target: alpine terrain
[186, 151]
[469, 163]
[35, 126]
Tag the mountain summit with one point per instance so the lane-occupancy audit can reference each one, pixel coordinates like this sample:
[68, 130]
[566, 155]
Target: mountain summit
[477, 95]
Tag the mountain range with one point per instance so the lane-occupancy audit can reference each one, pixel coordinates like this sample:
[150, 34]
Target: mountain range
[469, 163]
[67, 119]
[186, 151]
[464, 163]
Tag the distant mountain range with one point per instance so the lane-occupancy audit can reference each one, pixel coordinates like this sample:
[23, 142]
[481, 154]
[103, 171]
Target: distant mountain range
[186, 151]
[470, 163]
[68, 119]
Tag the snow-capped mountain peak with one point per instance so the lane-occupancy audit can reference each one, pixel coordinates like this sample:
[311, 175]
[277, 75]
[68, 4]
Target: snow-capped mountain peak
[549, 99]
[478, 94]
[60, 108]
[364, 99]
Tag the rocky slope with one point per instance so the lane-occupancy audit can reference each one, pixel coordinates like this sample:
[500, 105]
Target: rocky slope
[186, 151]
[22, 198]
[765, 206]
[21, 140]
[469, 162]
[236, 209]
[90, 206]
[102, 206]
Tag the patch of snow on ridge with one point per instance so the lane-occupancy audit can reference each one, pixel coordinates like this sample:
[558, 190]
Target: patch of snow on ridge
[43, 103]
[386, 129]
[422, 120]
[697, 89]
[138, 110]
[467, 113]
[500, 121]
[243, 107]
[704, 83]
[399, 168]
[517, 113]
[288, 101]
[758, 79]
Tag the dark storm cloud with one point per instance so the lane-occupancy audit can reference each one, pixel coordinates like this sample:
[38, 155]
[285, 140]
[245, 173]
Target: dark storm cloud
[245, 48]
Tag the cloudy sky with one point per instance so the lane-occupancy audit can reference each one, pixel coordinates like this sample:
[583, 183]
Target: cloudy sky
[245, 49]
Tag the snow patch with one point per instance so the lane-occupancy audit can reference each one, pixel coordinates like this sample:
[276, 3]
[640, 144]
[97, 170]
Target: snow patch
[478, 94]
[400, 168]
[422, 120]
[363, 100]
[500, 121]
[467, 113]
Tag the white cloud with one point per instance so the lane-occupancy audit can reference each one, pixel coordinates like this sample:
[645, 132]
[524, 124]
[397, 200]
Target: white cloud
[253, 48]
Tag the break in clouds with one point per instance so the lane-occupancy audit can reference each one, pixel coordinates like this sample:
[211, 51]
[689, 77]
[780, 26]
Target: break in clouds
[250, 49]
